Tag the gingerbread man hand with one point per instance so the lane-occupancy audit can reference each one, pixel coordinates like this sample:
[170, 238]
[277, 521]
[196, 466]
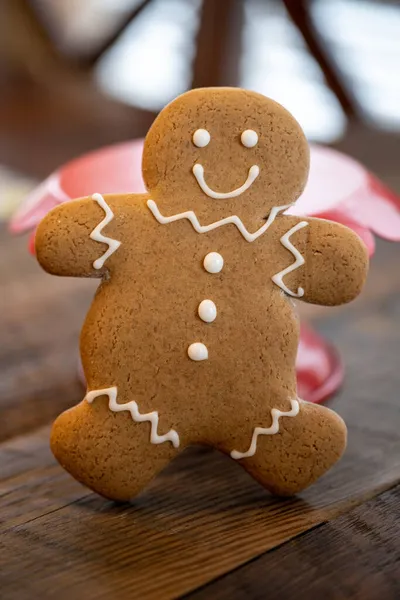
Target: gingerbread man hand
[327, 263]
[192, 337]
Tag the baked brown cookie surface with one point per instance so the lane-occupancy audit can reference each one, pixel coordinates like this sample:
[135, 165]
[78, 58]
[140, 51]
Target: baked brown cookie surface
[192, 335]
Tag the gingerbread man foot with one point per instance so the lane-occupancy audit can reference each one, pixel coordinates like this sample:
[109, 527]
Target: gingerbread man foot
[101, 444]
[295, 450]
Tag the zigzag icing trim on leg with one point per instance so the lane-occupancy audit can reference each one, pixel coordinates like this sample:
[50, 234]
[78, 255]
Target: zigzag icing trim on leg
[97, 236]
[276, 415]
[299, 261]
[112, 392]
[234, 219]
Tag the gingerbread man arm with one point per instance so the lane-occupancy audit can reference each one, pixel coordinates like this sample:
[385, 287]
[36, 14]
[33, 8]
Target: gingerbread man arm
[70, 240]
[328, 265]
[336, 263]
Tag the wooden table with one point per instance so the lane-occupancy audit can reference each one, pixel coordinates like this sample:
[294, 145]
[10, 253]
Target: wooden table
[203, 528]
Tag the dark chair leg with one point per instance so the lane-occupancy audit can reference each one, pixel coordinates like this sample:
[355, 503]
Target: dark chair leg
[114, 36]
[218, 44]
[300, 14]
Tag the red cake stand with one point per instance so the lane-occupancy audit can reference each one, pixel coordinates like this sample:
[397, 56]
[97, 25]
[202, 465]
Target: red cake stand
[339, 188]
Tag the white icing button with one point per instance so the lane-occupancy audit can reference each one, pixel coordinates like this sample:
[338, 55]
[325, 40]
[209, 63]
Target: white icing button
[213, 262]
[207, 311]
[201, 138]
[198, 351]
[249, 138]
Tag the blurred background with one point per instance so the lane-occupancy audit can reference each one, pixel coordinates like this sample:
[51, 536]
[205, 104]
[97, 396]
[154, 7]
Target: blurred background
[78, 75]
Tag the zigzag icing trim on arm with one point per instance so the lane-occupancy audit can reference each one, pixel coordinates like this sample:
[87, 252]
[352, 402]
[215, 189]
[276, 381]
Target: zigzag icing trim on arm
[276, 415]
[299, 261]
[112, 392]
[97, 236]
[235, 220]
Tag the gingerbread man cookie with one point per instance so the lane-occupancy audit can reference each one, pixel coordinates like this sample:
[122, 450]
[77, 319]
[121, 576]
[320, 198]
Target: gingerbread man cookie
[192, 335]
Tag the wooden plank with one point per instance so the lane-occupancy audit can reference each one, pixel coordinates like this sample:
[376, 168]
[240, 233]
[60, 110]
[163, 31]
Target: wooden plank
[360, 560]
[31, 483]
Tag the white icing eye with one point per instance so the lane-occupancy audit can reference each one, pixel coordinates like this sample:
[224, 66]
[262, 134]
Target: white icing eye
[249, 138]
[201, 138]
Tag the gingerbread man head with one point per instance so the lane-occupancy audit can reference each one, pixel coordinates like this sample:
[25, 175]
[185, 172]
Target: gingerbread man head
[224, 151]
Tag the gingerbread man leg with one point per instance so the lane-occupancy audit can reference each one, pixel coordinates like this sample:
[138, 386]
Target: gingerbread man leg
[290, 451]
[110, 446]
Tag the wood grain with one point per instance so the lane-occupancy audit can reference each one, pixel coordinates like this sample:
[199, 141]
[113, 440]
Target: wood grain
[361, 560]
[199, 519]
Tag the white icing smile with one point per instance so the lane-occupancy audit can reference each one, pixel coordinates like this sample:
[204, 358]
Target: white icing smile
[198, 172]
